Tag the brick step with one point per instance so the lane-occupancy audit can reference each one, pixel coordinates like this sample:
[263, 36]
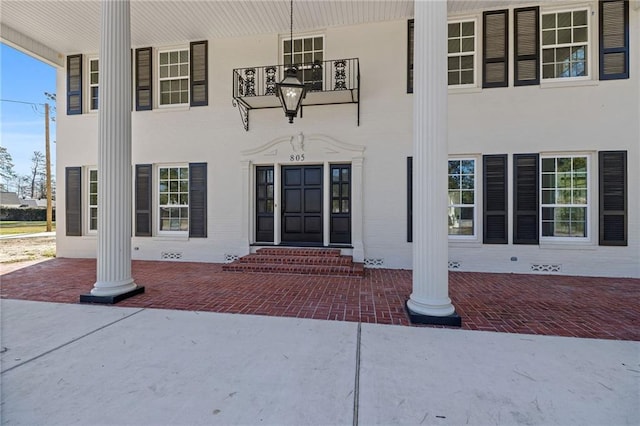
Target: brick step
[355, 270]
[297, 260]
[294, 251]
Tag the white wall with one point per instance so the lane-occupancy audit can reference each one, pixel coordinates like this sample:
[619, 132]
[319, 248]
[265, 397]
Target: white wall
[601, 115]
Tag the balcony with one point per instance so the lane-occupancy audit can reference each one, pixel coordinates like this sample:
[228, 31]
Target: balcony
[328, 83]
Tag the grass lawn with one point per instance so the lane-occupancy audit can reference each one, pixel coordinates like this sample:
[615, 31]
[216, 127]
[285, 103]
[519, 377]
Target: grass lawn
[12, 227]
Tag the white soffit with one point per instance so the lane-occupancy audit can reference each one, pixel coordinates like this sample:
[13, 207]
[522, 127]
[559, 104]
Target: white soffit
[68, 27]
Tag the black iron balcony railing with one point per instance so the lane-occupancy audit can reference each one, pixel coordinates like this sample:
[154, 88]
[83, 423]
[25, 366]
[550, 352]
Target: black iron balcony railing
[328, 83]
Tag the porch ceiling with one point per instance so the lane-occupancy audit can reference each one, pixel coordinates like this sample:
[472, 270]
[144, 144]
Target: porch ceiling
[50, 29]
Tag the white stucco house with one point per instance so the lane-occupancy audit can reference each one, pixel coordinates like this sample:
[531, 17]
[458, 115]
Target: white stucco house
[497, 136]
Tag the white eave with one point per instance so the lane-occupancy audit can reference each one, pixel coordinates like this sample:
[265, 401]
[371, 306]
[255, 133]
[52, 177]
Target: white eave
[51, 29]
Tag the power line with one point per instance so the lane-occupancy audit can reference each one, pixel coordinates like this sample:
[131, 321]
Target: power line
[19, 102]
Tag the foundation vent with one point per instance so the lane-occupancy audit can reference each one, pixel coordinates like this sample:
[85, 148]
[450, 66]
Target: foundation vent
[454, 264]
[228, 258]
[171, 255]
[535, 267]
[374, 263]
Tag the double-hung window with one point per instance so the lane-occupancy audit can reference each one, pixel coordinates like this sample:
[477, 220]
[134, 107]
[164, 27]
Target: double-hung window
[565, 196]
[174, 77]
[462, 197]
[173, 201]
[565, 44]
[461, 53]
[92, 208]
[307, 54]
[94, 75]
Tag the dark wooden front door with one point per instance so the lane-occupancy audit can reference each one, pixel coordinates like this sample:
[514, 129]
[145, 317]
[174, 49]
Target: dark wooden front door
[302, 204]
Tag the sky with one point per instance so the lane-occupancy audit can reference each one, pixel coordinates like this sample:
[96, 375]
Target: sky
[22, 127]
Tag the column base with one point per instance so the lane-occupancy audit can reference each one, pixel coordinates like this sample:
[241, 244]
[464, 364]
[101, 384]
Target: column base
[112, 299]
[453, 320]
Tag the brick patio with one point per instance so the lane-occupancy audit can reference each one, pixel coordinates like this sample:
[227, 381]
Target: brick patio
[607, 308]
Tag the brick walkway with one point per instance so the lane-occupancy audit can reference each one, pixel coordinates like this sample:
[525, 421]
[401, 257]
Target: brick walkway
[607, 308]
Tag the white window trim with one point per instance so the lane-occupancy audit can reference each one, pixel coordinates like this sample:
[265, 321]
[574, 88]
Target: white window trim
[476, 54]
[591, 37]
[87, 204]
[158, 80]
[156, 201]
[476, 205]
[591, 203]
[89, 85]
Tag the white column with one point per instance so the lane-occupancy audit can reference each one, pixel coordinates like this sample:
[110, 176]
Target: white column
[430, 296]
[114, 152]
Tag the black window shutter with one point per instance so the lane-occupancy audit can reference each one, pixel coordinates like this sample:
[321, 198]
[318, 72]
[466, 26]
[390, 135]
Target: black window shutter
[496, 46]
[495, 199]
[74, 84]
[410, 44]
[614, 39]
[144, 187]
[198, 72]
[144, 79]
[73, 201]
[525, 198]
[409, 199]
[198, 200]
[612, 167]
[526, 65]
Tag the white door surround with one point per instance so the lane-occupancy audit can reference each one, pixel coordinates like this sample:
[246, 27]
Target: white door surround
[303, 150]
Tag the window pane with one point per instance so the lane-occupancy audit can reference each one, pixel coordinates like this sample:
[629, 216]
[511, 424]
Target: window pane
[466, 62]
[453, 63]
[317, 43]
[454, 45]
[454, 182]
[467, 45]
[468, 197]
[564, 36]
[455, 197]
[466, 77]
[548, 37]
[564, 19]
[579, 35]
[468, 28]
[548, 21]
[454, 167]
[580, 17]
[454, 30]
[297, 45]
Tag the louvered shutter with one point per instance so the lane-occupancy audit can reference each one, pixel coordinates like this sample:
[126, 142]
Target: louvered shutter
[198, 200]
[410, 44]
[525, 198]
[496, 45]
[73, 201]
[198, 72]
[613, 197]
[614, 39]
[526, 65]
[495, 199]
[143, 197]
[144, 79]
[74, 84]
[409, 199]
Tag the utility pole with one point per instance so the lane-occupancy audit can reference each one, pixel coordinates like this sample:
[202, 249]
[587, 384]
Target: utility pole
[48, 167]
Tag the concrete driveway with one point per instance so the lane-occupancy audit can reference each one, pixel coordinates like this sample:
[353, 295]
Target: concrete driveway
[65, 364]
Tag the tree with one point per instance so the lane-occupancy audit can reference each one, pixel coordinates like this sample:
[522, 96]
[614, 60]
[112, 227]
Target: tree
[6, 168]
[37, 172]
